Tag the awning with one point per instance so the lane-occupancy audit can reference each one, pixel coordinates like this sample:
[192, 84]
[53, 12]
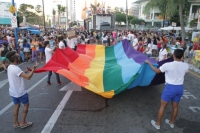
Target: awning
[34, 31]
[175, 28]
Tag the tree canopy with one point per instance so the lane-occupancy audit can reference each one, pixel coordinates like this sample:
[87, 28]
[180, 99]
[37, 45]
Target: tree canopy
[32, 17]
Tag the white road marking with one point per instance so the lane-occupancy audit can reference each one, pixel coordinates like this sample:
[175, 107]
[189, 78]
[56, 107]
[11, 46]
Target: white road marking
[194, 109]
[11, 104]
[52, 121]
[71, 86]
[2, 83]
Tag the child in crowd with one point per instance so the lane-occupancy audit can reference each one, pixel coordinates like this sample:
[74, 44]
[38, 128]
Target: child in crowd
[191, 53]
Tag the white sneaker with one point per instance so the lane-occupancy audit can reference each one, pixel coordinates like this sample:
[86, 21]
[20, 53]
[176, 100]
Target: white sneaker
[167, 122]
[153, 123]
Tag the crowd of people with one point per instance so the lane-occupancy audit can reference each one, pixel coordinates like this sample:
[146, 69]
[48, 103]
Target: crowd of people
[31, 47]
[40, 48]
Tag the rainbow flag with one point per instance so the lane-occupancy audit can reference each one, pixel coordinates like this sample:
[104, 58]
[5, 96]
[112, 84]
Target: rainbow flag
[106, 71]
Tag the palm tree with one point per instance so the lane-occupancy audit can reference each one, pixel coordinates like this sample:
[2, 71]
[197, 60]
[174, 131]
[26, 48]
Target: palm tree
[23, 9]
[61, 10]
[53, 13]
[168, 8]
[38, 9]
[93, 8]
[181, 4]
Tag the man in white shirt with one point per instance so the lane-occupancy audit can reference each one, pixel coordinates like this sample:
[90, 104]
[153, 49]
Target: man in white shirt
[49, 53]
[135, 42]
[17, 88]
[71, 43]
[61, 44]
[130, 37]
[173, 91]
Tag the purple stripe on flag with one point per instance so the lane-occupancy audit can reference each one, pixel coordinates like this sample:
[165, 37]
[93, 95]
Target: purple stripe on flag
[160, 78]
[135, 55]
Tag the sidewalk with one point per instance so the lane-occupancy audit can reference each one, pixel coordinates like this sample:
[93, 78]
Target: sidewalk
[192, 67]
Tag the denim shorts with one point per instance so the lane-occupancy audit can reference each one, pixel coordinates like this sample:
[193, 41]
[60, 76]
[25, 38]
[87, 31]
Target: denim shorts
[23, 99]
[191, 55]
[172, 92]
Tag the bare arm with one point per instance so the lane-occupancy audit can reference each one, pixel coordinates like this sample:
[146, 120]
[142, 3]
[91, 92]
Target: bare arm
[28, 76]
[165, 56]
[156, 70]
[146, 50]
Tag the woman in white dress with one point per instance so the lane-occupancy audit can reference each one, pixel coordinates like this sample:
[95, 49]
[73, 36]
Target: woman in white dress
[162, 53]
[105, 39]
[148, 50]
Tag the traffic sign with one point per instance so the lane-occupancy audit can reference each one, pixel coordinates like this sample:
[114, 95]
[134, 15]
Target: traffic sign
[12, 9]
[173, 24]
[14, 22]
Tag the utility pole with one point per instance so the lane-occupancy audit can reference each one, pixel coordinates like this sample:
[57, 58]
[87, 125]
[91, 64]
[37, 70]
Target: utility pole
[126, 15]
[43, 15]
[66, 14]
[15, 30]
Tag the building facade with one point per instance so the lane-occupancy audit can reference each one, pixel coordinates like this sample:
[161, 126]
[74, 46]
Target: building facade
[194, 10]
[73, 10]
[5, 14]
[153, 19]
[134, 10]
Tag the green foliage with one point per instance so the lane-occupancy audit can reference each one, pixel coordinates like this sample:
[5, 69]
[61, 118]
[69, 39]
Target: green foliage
[53, 12]
[193, 22]
[38, 8]
[167, 7]
[176, 17]
[135, 20]
[120, 17]
[23, 9]
[31, 17]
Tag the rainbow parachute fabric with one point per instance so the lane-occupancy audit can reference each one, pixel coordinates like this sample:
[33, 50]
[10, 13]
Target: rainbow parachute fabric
[105, 71]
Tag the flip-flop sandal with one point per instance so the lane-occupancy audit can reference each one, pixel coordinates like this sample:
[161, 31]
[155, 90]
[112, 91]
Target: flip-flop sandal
[16, 126]
[27, 125]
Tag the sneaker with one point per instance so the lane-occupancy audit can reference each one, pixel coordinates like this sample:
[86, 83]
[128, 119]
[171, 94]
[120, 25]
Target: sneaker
[167, 122]
[153, 123]
[49, 83]
[60, 83]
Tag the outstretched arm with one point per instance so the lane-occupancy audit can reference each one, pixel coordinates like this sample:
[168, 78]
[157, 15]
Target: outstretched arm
[156, 70]
[28, 76]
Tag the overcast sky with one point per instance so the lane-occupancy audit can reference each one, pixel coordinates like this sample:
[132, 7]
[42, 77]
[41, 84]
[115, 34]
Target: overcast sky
[48, 4]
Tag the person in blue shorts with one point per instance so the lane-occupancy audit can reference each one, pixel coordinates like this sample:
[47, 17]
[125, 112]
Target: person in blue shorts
[17, 88]
[173, 91]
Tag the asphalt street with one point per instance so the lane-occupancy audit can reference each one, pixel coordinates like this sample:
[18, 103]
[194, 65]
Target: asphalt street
[71, 109]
